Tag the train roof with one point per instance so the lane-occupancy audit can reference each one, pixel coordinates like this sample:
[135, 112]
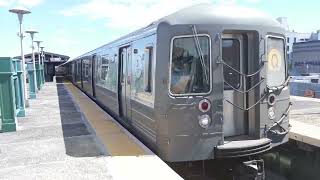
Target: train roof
[204, 14]
[220, 15]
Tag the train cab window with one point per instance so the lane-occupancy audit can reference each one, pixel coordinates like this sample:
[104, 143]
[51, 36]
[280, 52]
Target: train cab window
[190, 65]
[231, 55]
[276, 64]
[148, 68]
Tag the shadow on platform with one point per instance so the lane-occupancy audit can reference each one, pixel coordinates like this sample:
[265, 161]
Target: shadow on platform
[79, 140]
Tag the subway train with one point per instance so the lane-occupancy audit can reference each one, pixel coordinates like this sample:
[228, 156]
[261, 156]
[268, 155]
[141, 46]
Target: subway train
[202, 83]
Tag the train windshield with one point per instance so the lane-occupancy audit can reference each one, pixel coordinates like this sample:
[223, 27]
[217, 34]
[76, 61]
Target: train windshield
[190, 65]
[276, 67]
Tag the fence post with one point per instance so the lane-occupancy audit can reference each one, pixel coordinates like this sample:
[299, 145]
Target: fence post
[38, 72]
[7, 96]
[32, 84]
[20, 91]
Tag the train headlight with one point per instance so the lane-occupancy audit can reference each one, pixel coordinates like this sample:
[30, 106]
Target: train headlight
[271, 113]
[204, 121]
[271, 99]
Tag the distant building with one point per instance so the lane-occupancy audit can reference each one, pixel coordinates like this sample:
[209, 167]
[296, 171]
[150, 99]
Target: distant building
[292, 36]
[50, 61]
[306, 56]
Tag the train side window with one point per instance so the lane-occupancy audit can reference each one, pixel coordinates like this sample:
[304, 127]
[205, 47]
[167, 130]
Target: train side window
[104, 67]
[190, 65]
[86, 68]
[148, 59]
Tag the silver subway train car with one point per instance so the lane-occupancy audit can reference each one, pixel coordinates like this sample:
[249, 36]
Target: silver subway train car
[203, 83]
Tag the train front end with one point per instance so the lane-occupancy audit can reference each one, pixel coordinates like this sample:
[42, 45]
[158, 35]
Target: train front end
[226, 93]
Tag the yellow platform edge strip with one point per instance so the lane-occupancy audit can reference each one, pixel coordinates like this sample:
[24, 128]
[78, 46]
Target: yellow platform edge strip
[115, 140]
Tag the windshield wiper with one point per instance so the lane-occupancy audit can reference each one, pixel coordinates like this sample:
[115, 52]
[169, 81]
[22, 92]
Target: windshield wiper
[196, 39]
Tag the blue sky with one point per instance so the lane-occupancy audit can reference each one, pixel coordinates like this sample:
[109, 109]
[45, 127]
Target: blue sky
[73, 27]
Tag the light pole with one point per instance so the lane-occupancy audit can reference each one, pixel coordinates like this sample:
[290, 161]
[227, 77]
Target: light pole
[20, 12]
[39, 72]
[32, 32]
[42, 61]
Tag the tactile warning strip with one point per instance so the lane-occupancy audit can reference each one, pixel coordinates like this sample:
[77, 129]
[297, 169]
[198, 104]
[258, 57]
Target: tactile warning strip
[115, 140]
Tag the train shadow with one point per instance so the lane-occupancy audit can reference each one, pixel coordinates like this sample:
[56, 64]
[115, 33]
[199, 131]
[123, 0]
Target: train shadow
[293, 161]
[79, 139]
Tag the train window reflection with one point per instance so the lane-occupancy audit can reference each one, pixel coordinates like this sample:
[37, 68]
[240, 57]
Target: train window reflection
[104, 68]
[148, 68]
[190, 65]
[276, 67]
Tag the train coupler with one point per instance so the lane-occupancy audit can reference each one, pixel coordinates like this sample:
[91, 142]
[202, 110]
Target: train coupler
[253, 169]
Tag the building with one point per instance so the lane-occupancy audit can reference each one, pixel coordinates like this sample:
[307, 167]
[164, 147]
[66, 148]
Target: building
[306, 56]
[50, 61]
[292, 36]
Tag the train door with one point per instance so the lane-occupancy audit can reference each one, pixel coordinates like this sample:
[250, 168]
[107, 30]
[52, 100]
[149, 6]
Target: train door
[125, 83]
[81, 73]
[232, 54]
[93, 75]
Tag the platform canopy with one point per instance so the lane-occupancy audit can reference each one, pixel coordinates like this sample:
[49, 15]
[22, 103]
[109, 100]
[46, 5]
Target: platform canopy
[49, 57]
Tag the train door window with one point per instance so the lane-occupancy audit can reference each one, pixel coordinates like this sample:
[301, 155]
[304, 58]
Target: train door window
[190, 65]
[231, 55]
[104, 67]
[148, 59]
[86, 68]
[276, 67]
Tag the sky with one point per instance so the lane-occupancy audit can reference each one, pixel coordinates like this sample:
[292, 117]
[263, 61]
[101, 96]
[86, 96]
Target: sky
[73, 27]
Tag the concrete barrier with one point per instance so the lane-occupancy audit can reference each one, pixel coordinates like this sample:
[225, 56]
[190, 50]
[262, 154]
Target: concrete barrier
[7, 95]
[32, 83]
[301, 89]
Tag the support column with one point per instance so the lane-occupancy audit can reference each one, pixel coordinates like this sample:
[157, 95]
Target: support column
[7, 96]
[32, 84]
[38, 75]
[43, 74]
[21, 112]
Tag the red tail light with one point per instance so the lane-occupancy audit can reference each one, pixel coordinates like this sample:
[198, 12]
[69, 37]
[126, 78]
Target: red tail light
[204, 105]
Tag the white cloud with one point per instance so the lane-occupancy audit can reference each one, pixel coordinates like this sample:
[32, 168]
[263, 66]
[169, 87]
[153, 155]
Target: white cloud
[30, 3]
[127, 13]
[133, 14]
[253, 1]
[26, 3]
[6, 3]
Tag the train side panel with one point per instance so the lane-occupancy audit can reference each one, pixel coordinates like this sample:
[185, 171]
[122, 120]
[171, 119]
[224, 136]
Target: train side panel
[143, 87]
[87, 75]
[106, 79]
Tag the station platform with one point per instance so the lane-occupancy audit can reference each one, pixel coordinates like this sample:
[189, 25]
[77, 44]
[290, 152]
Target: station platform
[65, 135]
[305, 120]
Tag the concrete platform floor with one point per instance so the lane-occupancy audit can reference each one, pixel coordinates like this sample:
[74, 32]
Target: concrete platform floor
[305, 120]
[55, 141]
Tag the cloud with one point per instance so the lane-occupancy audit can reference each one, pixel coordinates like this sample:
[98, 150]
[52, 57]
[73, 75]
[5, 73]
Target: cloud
[253, 1]
[133, 14]
[6, 3]
[127, 13]
[26, 3]
[30, 3]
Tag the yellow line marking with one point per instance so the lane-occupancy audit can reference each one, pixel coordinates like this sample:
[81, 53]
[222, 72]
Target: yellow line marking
[115, 140]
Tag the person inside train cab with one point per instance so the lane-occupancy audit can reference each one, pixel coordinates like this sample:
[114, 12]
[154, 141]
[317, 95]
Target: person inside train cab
[179, 75]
